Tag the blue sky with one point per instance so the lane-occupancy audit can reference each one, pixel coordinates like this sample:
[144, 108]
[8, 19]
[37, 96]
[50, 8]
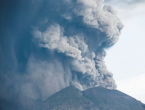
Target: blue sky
[126, 59]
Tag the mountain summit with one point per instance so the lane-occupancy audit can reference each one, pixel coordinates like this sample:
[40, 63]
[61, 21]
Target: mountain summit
[97, 98]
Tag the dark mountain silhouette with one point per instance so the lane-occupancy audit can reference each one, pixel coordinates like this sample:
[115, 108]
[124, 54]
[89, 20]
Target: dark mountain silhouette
[97, 98]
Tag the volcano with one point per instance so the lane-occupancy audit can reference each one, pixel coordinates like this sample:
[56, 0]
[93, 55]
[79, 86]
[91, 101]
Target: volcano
[97, 98]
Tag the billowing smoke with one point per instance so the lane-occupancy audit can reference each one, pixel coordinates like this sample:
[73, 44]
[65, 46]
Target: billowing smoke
[53, 44]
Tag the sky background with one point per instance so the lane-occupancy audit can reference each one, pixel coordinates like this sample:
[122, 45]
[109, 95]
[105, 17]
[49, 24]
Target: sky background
[126, 59]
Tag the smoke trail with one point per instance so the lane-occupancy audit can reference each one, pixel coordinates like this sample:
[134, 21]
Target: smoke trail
[80, 31]
[55, 43]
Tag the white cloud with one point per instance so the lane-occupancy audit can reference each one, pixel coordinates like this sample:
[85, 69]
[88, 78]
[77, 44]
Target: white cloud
[129, 9]
[125, 2]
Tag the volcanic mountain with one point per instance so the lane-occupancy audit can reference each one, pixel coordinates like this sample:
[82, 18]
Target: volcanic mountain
[97, 98]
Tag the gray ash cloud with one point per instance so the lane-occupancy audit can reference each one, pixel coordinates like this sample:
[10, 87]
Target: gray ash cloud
[50, 44]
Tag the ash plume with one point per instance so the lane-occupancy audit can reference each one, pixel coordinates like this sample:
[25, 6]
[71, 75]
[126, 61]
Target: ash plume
[51, 44]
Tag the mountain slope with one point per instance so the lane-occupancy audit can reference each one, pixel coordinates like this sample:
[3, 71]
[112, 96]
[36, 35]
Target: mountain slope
[97, 98]
[107, 99]
[69, 98]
